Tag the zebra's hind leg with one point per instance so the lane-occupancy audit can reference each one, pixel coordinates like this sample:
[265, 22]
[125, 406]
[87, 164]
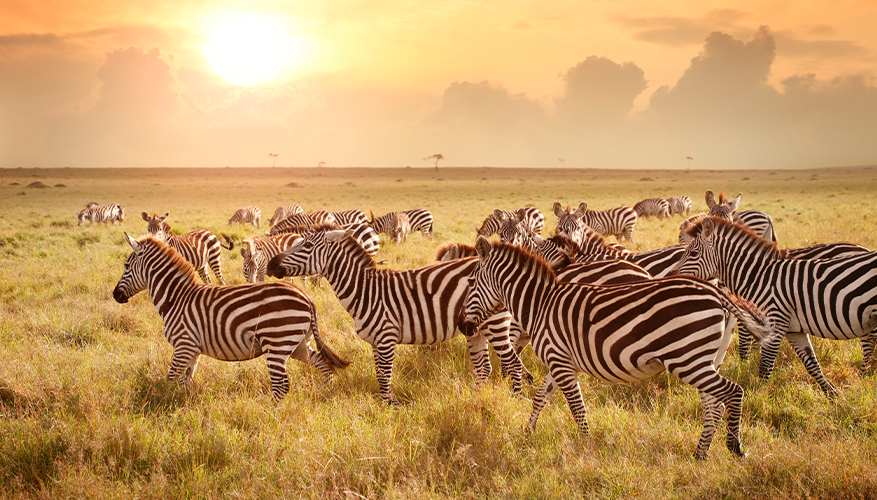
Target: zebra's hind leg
[480, 357]
[276, 360]
[804, 349]
[745, 340]
[217, 270]
[205, 277]
[383, 354]
[539, 401]
[868, 343]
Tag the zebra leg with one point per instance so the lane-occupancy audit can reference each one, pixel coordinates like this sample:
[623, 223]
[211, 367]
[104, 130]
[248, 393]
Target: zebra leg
[713, 409]
[716, 393]
[202, 271]
[568, 382]
[480, 357]
[383, 355]
[539, 401]
[804, 349]
[217, 270]
[769, 351]
[509, 361]
[183, 365]
[745, 339]
[276, 360]
[868, 343]
[519, 339]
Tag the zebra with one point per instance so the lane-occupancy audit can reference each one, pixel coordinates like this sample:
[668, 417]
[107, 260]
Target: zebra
[395, 224]
[421, 220]
[283, 212]
[659, 207]
[112, 213]
[228, 323]
[723, 208]
[618, 333]
[530, 217]
[679, 205]
[367, 238]
[201, 248]
[833, 299]
[250, 214]
[257, 251]
[415, 306]
[305, 220]
[347, 217]
[758, 222]
[618, 222]
[659, 263]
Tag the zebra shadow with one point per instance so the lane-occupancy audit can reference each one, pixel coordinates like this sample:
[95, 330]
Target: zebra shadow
[153, 394]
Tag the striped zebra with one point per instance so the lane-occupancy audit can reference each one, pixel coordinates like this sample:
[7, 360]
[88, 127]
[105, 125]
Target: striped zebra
[618, 333]
[833, 299]
[246, 215]
[201, 248]
[305, 220]
[722, 208]
[367, 238]
[258, 250]
[395, 224]
[228, 323]
[618, 222]
[416, 306]
[112, 213]
[347, 217]
[283, 212]
[659, 263]
[659, 207]
[530, 217]
[421, 220]
[758, 222]
[679, 205]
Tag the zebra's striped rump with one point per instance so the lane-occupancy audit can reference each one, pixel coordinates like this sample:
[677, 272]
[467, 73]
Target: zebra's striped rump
[228, 323]
[618, 333]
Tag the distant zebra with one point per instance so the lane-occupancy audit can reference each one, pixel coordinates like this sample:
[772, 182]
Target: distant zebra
[284, 212]
[395, 224]
[245, 215]
[112, 213]
[201, 248]
[723, 208]
[228, 323]
[531, 218]
[659, 207]
[421, 220]
[352, 216]
[306, 220]
[758, 222]
[618, 222]
[618, 333]
[679, 205]
[416, 306]
[257, 251]
[833, 299]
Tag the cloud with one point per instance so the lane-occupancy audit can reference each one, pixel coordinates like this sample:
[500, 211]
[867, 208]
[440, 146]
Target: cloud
[675, 31]
[599, 92]
[792, 46]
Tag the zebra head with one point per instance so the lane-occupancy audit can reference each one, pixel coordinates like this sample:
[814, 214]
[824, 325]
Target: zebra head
[701, 257]
[308, 255]
[483, 297]
[133, 280]
[723, 208]
[82, 215]
[558, 251]
[684, 236]
[569, 222]
[157, 226]
[252, 258]
[512, 231]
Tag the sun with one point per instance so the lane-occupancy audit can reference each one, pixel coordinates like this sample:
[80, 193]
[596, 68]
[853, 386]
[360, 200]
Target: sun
[246, 49]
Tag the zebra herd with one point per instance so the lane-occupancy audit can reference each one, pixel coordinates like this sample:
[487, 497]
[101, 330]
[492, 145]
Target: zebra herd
[584, 304]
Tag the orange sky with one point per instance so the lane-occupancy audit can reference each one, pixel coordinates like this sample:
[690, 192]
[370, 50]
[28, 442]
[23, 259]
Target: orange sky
[385, 83]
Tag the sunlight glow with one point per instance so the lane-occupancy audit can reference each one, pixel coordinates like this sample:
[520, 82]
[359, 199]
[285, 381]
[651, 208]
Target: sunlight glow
[246, 49]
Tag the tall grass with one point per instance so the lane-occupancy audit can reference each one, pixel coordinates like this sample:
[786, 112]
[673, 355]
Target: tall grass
[86, 410]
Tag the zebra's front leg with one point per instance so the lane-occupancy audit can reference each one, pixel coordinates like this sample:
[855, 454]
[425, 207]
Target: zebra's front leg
[868, 343]
[568, 383]
[480, 357]
[383, 354]
[510, 363]
[769, 350]
[183, 365]
[539, 401]
[801, 343]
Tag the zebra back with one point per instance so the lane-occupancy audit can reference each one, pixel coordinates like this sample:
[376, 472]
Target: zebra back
[283, 212]
[352, 216]
[618, 221]
[201, 248]
[659, 207]
[679, 205]
[421, 220]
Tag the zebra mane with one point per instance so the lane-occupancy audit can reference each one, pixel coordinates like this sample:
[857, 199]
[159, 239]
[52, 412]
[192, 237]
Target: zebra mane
[176, 260]
[353, 248]
[733, 227]
[535, 264]
[463, 250]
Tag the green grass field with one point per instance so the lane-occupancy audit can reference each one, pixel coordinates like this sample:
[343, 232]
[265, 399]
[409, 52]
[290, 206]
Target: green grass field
[86, 411]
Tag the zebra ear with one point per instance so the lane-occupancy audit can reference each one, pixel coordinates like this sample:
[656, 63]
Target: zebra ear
[482, 247]
[520, 215]
[707, 227]
[372, 221]
[245, 249]
[146, 217]
[497, 214]
[163, 217]
[734, 203]
[131, 241]
[710, 199]
[558, 209]
[337, 235]
[583, 207]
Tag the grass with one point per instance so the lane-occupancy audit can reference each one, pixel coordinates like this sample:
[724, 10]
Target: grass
[86, 411]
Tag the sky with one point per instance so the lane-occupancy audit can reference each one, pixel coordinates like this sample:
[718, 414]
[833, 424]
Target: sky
[388, 83]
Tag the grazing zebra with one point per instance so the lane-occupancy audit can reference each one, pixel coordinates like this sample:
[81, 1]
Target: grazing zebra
[833, 299]
[618, 222]
[421, 220]
[228, 323]
[245, 215]
[347, 217]
[531, 218]
[679, 205]
[257, 251]
[395, 224]
[201, 248]
[416, 306]
[617, 333]
[306, 220]
[284, 212]
[93, 212]
[659, 207]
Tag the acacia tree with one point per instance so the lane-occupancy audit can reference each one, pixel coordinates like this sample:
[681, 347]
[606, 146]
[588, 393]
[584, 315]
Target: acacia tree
[436, 158]
[689, 162]
[273, 158]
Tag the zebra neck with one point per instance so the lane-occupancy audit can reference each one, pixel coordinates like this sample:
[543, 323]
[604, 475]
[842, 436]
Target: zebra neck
[523, 298]
[168, 284]
[742, 265]
[346, 274]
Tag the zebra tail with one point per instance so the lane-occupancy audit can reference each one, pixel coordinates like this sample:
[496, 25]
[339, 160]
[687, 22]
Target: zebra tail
[755, 320]
[333, 361]
[227, 239]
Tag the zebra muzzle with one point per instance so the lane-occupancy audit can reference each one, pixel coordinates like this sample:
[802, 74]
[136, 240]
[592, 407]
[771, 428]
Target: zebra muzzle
[120, 296]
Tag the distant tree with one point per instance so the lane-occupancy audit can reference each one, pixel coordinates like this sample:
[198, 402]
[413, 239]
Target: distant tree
[321, 164]
[689, 162]
[561, 160]
[273, 157]
[436, 158]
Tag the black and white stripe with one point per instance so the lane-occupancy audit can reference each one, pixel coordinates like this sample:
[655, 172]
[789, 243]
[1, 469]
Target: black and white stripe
[201, 248]
[530, 217]
[347, 217]
[228, 323]
[111, 213]
[367, 238]
[679, 205]
[416, 306]
[395, 224]
[833, 299]
[284, 212]
[303, 221]
[658, 207]
[421, 220]
[618, 222]
[258, 250]
[247, 215]
[618, 333]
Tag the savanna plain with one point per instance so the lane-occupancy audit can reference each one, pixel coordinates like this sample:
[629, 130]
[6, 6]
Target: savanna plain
[86, 409]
